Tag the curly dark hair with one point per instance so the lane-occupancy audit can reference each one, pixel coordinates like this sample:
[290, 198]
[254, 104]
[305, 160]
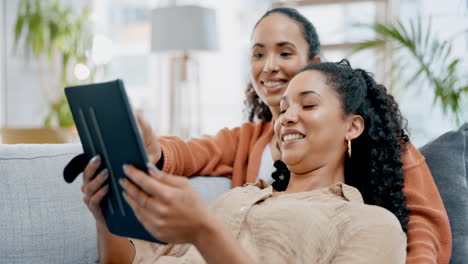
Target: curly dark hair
[375, 167]
[254, 106]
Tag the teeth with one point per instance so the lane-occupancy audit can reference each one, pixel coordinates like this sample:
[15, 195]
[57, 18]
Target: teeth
[292, 136]
[273, 84]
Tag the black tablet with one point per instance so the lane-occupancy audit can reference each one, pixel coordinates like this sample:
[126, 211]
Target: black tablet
[107, 126]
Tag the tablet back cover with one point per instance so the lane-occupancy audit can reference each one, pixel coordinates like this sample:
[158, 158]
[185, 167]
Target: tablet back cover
[107, 127]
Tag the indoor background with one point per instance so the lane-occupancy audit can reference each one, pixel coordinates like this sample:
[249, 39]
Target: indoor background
[121, 47]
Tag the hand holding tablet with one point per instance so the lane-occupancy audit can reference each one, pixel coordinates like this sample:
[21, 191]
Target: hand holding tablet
[108, 128]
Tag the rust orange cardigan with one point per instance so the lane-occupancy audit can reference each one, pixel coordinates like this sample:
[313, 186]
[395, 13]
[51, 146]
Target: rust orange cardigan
[236, 153]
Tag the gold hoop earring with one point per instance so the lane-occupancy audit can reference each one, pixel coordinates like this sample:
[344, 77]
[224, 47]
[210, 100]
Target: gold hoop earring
[349, 148]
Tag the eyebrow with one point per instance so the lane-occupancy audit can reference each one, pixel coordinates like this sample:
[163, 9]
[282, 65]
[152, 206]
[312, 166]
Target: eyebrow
[279, 44]
[284, 43]
[303, 93]
[308, 92]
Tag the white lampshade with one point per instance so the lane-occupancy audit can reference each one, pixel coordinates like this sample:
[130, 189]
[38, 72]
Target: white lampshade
[183, 28]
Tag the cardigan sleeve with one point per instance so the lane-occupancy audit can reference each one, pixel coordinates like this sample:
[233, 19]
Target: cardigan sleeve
[208, 155]
[429, 235]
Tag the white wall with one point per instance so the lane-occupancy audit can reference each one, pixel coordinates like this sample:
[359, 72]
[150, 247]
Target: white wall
[225, 74]
[2, 66]
[25, 104]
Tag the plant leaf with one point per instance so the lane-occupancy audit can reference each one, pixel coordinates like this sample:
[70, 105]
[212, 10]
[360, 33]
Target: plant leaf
[436, 66]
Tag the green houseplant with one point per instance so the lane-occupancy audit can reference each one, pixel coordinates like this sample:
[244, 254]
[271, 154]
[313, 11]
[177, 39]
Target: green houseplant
[48, 30]
[414, 43]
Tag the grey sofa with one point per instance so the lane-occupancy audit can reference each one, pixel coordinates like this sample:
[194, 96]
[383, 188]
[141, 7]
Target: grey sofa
[447, 158]
[42, 218]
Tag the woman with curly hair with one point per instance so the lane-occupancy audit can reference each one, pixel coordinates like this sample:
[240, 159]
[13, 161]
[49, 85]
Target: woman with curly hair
[373, 164]
[339, 134]
[283, 42]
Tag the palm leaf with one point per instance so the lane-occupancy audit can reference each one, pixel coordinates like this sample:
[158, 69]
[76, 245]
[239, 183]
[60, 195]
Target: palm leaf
[370, 44]
[18, 28]
[437, 66]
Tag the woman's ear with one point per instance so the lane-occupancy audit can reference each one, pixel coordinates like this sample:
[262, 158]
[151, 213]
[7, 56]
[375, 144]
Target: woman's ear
[315, 59]
[355, 127]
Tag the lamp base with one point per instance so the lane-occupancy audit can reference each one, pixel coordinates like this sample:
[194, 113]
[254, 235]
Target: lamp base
[184, 96]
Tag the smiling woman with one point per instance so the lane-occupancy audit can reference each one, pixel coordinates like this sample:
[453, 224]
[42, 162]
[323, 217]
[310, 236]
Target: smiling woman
[363, 123]
[316, 122]
[315, 107]
[284, 41]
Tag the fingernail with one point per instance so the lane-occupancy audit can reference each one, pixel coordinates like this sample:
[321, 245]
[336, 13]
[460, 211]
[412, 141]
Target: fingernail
[121, 182]
[151, 167]
[105, 173]
[125, 167]
[124, 196]
[96, 158]
[106, 187]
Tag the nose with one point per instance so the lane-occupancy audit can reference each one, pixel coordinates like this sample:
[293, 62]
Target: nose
[271, 65]
[289, 117]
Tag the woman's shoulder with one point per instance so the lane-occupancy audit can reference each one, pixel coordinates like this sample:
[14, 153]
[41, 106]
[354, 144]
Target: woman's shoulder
[367, 216]
[246, 130]
[363, 214]
[411, 157]
[242, 195]
[374, 227]
[257, 126]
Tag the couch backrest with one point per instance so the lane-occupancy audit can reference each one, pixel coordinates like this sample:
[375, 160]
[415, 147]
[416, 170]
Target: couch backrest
[447, 158]
[43, 219]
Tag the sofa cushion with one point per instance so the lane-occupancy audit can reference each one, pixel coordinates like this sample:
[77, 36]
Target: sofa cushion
[447, 158]
[43, 219]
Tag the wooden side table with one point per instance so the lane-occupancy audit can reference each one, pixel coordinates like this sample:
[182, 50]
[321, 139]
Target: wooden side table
[41, 135]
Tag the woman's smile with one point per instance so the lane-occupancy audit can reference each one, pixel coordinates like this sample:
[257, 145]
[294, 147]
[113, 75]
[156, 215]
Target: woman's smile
[274, 85]
[291, 136]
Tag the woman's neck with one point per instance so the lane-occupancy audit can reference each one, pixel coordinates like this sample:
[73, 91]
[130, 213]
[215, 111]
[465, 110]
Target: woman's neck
[274, 146]
[274, 112]
[319, 178]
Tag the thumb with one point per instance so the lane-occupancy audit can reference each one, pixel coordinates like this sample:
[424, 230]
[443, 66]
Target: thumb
[155, 172]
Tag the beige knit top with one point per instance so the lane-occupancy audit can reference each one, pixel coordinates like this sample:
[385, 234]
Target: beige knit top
[329, 225]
